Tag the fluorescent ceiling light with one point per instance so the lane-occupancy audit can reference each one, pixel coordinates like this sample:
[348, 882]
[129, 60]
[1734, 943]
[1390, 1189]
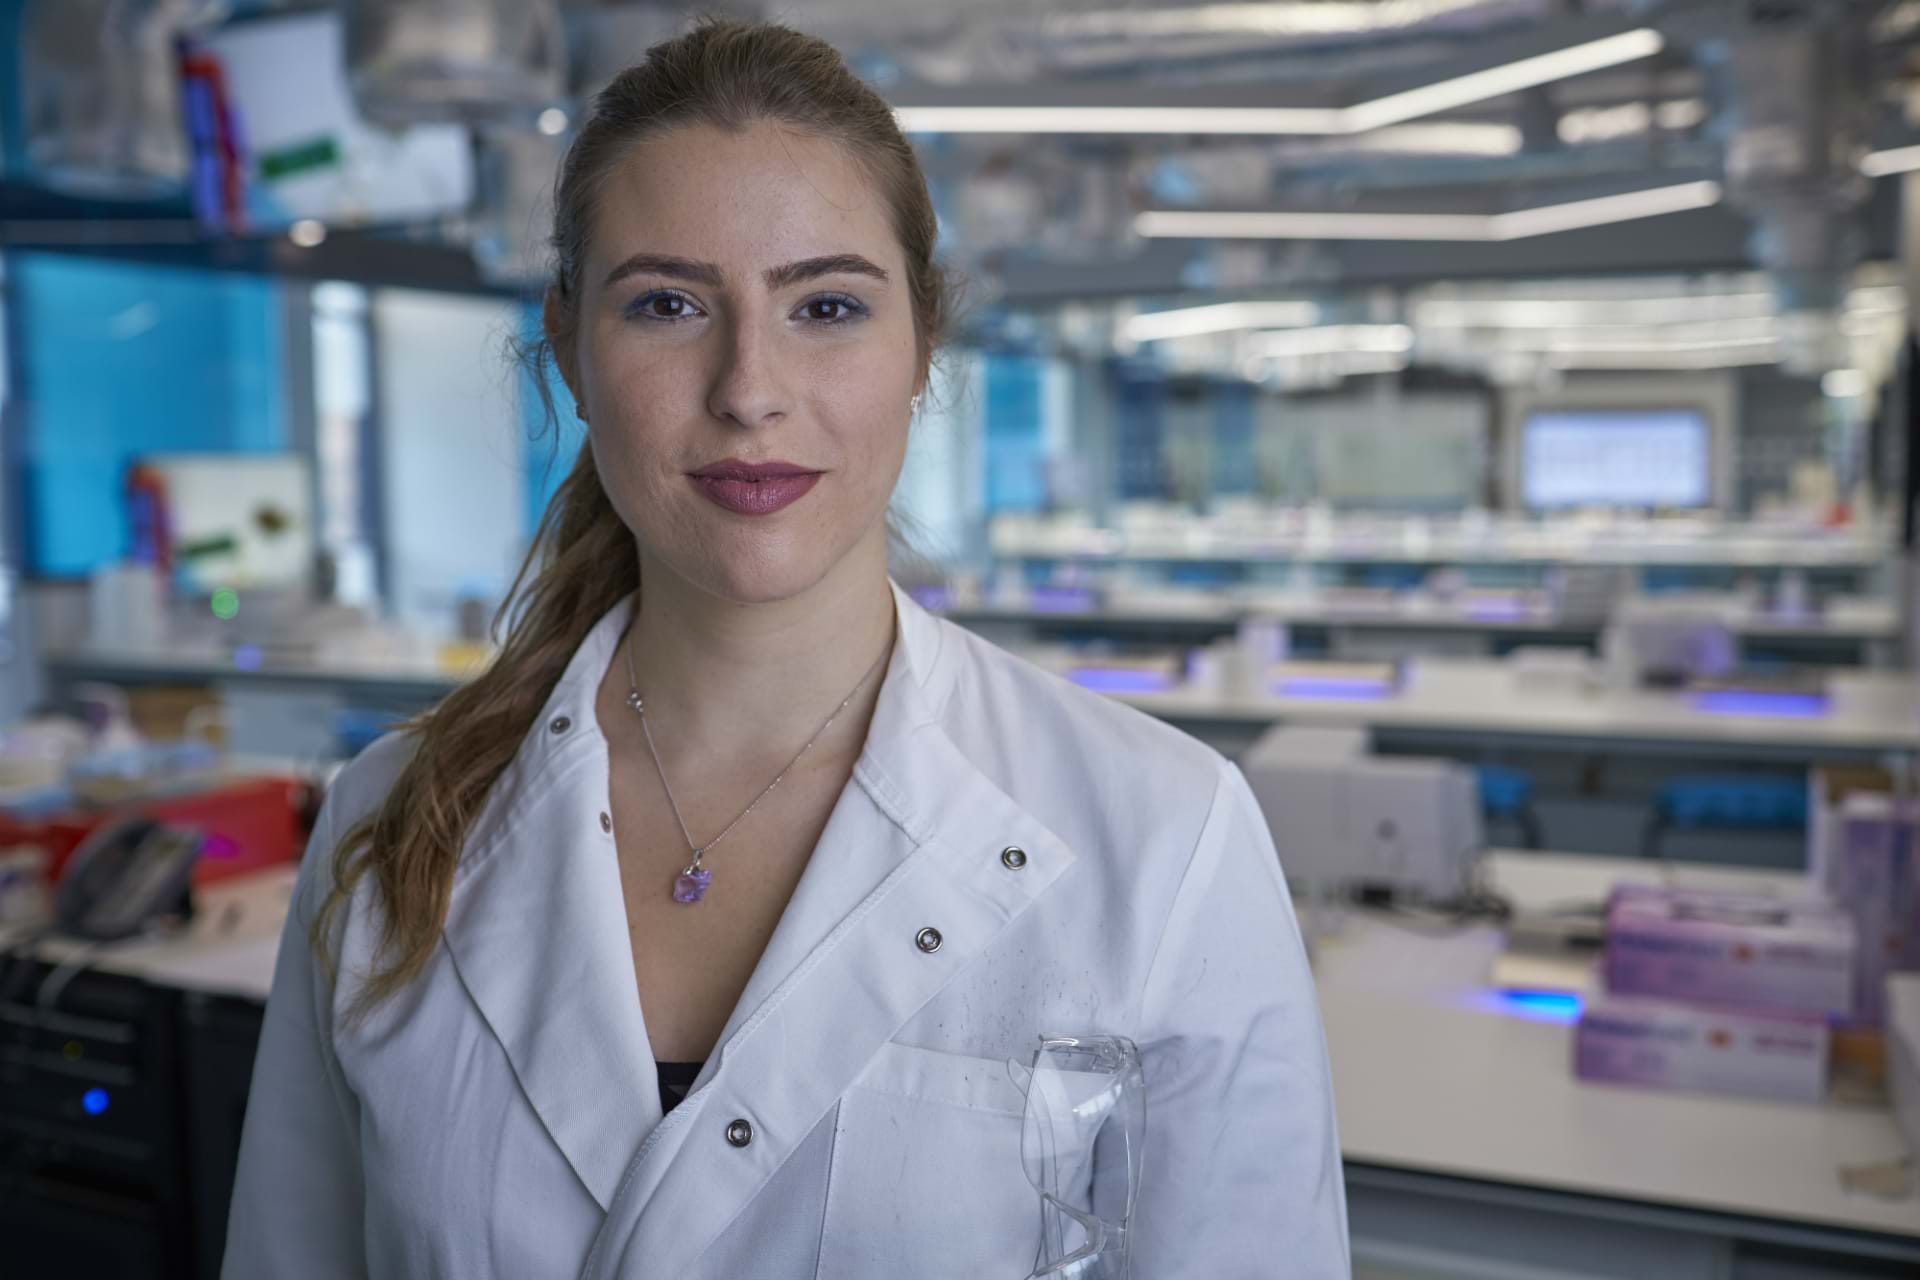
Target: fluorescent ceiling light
[1716, 355]
[1443, 95]
[1225, 317]
[1202, 224]
[1495, 82]
[1332, 340]
[1438, 138]
[1546, 313]
[1843, 384]
[1610, 337]
[1628, 120]
[1654, 344]
[1240, 120]
[1519, 225]
[1877, 299]
[1865, 303]
[1626, 207]
[1318, 18]
[1880, 164]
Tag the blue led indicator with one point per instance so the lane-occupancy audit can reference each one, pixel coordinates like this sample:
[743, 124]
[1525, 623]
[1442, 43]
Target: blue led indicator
[1542, 1006]
[94, 1100]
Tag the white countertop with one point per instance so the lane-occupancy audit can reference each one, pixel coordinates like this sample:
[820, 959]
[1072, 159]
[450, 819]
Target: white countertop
[229, 948]
[1868, 710]
[1850, 619]
[1292, 536]
[1432, 1073]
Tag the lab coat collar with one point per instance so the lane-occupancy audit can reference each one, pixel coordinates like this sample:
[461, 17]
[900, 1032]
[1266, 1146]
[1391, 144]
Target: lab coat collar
[537, 930]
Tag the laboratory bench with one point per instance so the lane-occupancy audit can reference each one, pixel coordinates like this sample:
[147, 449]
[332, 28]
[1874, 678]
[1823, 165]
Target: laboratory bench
[124, 1072]
[1857, 715]
[1471, 1149]
[1862, 632]
[1861, 714]
[1597, 758]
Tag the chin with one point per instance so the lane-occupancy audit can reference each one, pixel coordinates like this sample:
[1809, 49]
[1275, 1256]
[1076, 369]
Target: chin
[751, 571]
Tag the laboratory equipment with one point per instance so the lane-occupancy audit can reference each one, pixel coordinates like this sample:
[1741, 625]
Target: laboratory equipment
[1666, 644]
[236, 521]
[1342, 818]
[125, 876]
[1618, 457]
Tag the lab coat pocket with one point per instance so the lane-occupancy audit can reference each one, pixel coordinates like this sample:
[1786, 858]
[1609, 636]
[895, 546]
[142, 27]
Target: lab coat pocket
[926, 1178]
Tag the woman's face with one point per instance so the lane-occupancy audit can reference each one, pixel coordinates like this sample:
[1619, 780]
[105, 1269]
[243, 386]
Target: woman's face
[746, 355]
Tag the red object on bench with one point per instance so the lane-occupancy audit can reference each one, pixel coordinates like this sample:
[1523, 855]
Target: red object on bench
[250, 823]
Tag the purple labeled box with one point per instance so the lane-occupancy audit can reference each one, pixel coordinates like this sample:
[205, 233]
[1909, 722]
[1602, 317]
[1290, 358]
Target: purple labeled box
[1742, 950]
[1661, 1045]
[1872, 874]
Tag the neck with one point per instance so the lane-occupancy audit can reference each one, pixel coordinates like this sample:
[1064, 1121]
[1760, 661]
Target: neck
[729, 677]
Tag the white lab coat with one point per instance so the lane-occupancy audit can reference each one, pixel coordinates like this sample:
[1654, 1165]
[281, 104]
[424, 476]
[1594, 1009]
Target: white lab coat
[502, 1118]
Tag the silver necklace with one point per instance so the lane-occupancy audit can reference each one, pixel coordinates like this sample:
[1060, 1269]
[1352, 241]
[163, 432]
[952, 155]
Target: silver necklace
[691, 884]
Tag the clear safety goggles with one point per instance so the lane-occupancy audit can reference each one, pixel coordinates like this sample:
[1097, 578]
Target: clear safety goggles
[1081, 1140]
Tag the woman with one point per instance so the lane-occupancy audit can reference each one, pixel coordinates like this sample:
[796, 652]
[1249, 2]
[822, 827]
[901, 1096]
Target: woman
[571, 886]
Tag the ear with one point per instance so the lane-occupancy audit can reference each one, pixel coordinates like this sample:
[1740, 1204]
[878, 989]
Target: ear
[562, 328]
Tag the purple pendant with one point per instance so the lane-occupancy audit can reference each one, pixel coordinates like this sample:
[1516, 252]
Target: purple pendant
[691, 885]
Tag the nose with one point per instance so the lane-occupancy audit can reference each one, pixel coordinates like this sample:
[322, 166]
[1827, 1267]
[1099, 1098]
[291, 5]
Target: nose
[748, 381]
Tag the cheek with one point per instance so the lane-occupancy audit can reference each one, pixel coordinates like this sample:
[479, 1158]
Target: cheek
[864, 390]
[868, 415]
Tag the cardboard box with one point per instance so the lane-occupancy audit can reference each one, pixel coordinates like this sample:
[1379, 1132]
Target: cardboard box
[1662, 1045]
[1740, 950]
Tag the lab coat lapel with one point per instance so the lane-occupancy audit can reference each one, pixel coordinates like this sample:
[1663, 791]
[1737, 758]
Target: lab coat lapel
[538, 933]
[914, 843]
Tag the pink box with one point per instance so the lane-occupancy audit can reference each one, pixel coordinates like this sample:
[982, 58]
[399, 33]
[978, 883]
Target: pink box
[1661, 1045]
[1732, 949]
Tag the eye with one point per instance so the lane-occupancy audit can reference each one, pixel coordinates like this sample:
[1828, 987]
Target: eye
[662, 304]
[831, 309]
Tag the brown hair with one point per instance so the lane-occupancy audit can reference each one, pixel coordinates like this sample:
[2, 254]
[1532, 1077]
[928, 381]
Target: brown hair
[723, 74]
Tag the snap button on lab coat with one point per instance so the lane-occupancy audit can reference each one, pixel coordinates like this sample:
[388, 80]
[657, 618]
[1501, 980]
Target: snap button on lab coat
[606, 823]
[559, 724]
[1014, 857]
[739, 1133]
[928, 940]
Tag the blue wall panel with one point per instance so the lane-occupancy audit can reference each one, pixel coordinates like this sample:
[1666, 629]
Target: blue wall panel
[1015, 434]
[118, 360]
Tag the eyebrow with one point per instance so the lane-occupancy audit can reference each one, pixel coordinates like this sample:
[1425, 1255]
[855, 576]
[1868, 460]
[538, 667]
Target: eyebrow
[780, 277]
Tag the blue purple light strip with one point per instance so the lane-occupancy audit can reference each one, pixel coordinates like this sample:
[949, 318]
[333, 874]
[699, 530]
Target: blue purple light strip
[1121, 679]
[1754, 702]
[1333, 688]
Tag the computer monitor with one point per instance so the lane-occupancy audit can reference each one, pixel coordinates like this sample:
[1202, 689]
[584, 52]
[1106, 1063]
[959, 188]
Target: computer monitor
[1619, 457]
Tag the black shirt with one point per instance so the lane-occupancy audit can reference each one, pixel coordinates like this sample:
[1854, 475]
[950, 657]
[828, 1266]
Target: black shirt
[675, 1079]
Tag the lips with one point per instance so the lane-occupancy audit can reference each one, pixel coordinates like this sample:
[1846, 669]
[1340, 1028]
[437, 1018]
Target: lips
[754, 488]
[734, 469]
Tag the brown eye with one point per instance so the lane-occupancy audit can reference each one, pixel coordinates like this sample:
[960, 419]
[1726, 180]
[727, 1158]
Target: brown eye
[661, 306]
[830, 309]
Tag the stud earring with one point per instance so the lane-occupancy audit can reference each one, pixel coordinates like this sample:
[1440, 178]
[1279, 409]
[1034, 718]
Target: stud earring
[913, 405]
